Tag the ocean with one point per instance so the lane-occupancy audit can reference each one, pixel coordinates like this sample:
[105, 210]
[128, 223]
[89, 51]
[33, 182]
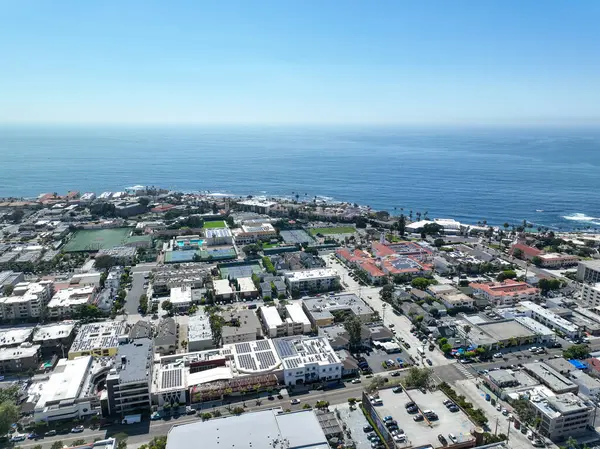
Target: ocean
[549, 177]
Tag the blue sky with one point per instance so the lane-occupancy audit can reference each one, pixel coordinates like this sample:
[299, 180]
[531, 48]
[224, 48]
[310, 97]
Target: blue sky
[288, 62]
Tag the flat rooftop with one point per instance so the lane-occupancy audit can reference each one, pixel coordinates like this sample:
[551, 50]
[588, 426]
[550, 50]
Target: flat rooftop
[102, 335]
[14, 336]
[199, 328]
[19, 352]
[297, 351]
[321, 307]
[54, 331]
[133, 360]
[66, 380]
[506, 329]
[315, 273]
[263, 429]
[550, 377]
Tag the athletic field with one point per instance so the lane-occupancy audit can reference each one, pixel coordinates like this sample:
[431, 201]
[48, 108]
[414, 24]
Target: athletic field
[214, 224]
[333, 230]
[88, 240]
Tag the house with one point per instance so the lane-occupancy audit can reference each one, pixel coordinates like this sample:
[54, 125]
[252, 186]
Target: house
[167, 336]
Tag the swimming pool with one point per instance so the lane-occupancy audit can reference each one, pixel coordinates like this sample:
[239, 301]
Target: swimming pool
[192, 242]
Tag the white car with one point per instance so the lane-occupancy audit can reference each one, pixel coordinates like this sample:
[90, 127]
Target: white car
[505, 412]
[400, 438]
[533, 348]
[355, 381]
[499, 407]
[497, 355]
[295, 401]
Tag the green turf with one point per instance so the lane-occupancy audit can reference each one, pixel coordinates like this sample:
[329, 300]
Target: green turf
[96, 239]
[214, 224]
[334, 230]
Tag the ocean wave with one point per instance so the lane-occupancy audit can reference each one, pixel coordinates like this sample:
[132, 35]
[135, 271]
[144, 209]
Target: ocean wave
[580, 217]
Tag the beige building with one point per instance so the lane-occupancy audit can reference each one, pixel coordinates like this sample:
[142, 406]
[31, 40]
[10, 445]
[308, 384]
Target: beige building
[27, 300]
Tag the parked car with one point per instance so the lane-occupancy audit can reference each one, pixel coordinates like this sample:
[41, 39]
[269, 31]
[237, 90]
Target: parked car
[355, 381]
[418, 418]
[388, 418]
[50, 433]
[295, 401]
[77, 429]
[395, 374]
[409, 404]
[18, 437]
[442, 439]
[367, 429]
[453, 438]
[397, 390]
[33, 436]
[429, 362]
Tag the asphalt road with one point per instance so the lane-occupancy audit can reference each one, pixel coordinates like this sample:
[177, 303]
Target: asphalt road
[132, 300]
[143, 432]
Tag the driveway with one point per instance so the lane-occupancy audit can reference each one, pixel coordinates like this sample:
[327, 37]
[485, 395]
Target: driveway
[132, 300]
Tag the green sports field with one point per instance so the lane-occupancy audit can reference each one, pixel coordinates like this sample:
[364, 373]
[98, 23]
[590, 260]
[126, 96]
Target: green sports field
[333, 230]
[214, 224]
[88, 240]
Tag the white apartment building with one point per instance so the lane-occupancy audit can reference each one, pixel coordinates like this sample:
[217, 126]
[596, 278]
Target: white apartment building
[218, 236]
[252, 234]
[316, 279]
[181, 298]
[590, 294]
[563, 415]
[200, 335]
[588, 271]
[307, 360]
[68, 301]
[27, 300]
[550, 319]
[296, 322]
[223, 290]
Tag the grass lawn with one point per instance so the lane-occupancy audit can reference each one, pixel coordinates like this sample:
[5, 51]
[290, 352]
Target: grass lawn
[269, 245]
[214, 224]
[334, 230]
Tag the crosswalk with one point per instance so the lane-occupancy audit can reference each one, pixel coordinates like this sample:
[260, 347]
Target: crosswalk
[464, 371]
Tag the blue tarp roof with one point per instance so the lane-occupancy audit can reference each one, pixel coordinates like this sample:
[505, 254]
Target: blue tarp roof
[578, 364]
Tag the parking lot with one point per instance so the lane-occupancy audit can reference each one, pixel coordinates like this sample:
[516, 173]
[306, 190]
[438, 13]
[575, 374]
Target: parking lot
[422, 433]
[355, 420]
[376, 357]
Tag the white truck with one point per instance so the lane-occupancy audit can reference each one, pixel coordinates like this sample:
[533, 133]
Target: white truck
[131, 419]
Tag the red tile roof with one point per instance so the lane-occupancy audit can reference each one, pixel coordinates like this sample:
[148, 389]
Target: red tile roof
[529, 251]
[381, 250]
[505, 288]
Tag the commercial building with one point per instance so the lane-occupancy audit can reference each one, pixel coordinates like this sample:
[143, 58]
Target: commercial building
[451, 296]
[55, 338]
[494, 335]
[550, 377]
[505, 293]
[20, 358]
[240, 326]
[123, 255]
[550, 319]
[27, 300]
[556, 260]
[68, 392]
[68, 301]
[262, 429]
[251, 234]
[218, 236]
[192, 275]
[318, 280]
[296, 314]
[98, 339]
[589, 271]
[322, 311]
[588, 385]
[200, 335]
[308, 359]
[10, 278]
[562, 416]
[181, 298]
[128, 382]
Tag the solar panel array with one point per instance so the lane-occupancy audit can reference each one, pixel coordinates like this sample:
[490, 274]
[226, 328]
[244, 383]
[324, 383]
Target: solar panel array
[243, 348]
[247, 362]
[262, 345]
[171, 378]
[266, 359]
[293, 362]
[285, 348]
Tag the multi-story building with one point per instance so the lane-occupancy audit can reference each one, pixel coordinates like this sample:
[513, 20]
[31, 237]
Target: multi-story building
[451, 296]
[128, 382]
[318, 280]
[200, 336]
[55, 338]
[251, 234]
[223, 290]
[551, 378]
[98, 339]
[550, 319]
[562, 416]
[167, 336]
[123, 255]
[192, 275]
[505, 293]
[10, 278]
[68, 392]
[240, 326]
[218, 236]
[307, 360]
[68, 301]
[181, 298]
[556, 260]
[27, 300]
[19, 359]
[589, 271]
[590, 294]
[322, 311]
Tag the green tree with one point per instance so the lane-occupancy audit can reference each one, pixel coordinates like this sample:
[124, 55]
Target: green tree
[167, 305]
[546, 285]
[517, 253]
[144, 201]
[577, 352]
[401, 225]
[361, 222]
[537, 261]
[8, 289]
[216, 326]
[353, 326]
[418, 377]
[104, 262]
[79, 442]
[57, 445]
[446, 348]
[438, 243]
[432, 229]
[9, 413]
[376, 383]
[121, 438]
[421, 283]
[506, 274]
[387, 293]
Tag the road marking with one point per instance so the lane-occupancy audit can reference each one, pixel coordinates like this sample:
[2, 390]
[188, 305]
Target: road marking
[464, 370]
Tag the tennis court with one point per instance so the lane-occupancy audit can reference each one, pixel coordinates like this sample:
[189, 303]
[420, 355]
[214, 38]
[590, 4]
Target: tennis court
[239, 271]
[296, 236]
[87, 240]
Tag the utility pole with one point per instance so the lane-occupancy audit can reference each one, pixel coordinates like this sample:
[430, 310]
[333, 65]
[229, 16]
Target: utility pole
[496, 431]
